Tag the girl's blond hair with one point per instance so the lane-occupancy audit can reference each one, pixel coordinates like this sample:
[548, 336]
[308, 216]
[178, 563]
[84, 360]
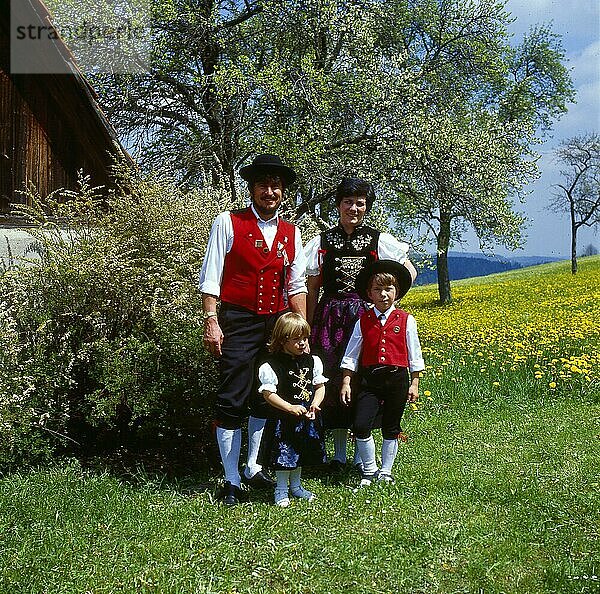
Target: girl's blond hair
[289, 325]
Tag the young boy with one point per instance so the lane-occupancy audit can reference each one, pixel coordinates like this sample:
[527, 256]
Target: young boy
[385, 349]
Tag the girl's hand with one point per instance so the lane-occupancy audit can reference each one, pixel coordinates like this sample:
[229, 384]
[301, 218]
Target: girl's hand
[297, 410]
[312, 412]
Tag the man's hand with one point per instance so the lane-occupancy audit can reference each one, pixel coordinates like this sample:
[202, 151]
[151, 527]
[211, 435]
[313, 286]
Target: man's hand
[413, 393]
[213, 336]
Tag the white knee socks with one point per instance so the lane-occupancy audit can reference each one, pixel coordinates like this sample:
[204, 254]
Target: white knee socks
[366, 450]
[389, 449]
[255, 431]
[230, 442]
[340, 441]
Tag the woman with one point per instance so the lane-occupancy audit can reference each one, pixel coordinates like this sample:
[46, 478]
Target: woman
[334, 258]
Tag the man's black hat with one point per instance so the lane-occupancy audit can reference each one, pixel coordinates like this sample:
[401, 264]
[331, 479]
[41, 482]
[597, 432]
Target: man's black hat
[400, 271]
[268, 164]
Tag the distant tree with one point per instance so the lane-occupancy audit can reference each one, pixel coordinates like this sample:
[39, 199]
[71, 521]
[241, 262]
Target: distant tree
[589, 250]
[579, 194]
[484, 102]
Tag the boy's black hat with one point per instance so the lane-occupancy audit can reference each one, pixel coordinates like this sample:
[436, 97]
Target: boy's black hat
[400, 271]
[268, 164]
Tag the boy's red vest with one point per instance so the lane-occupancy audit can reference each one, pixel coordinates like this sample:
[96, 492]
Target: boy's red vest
[253, 276]
[384, 345]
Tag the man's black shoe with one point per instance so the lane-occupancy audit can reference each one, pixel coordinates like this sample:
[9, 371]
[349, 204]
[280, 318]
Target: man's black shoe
[230, 494]
[260, 480]
[335, 467]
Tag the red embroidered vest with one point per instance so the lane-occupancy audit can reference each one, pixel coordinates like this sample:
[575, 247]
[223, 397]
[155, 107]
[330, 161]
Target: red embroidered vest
[384, 345]
[254, 277]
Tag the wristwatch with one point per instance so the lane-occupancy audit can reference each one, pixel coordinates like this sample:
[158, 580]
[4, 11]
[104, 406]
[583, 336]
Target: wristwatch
[209, 314]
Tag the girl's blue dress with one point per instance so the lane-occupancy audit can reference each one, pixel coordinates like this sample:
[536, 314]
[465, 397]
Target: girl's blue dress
[289, 441]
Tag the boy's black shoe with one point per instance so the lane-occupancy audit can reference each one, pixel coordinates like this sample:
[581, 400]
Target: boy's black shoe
[385, 478]
[366, 480]
[260, 480]
[230, 494]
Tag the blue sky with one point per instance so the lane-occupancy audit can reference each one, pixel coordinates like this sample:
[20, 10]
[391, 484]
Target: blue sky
[578, 23]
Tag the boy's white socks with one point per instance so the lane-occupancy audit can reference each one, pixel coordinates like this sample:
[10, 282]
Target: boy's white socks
[389, 449]
[366, 450]
[230, 443]
[255, 431]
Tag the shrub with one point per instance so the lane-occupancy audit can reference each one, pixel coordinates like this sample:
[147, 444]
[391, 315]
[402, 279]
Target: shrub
[101, 336]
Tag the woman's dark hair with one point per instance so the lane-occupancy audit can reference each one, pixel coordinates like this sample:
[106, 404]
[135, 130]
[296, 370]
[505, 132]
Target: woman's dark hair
[355, 186]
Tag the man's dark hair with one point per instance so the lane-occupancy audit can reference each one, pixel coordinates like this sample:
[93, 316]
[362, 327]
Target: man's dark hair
[264, 176]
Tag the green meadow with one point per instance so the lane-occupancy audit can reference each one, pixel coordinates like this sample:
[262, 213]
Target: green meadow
[497, 489]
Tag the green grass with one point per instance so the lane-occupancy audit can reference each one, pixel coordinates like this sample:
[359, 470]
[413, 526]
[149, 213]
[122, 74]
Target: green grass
[498, 491]
[492, 495]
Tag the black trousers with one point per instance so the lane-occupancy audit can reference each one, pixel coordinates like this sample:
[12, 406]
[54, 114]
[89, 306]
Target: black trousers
[244, 347]
[383, 391]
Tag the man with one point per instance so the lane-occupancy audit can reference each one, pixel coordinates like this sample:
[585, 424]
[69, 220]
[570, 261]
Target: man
[255, 266]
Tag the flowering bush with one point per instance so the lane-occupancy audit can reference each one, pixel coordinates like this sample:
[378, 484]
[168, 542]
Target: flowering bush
[102, 334]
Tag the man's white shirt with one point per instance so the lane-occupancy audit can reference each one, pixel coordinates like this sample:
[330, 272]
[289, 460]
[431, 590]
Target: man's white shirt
[220, 242]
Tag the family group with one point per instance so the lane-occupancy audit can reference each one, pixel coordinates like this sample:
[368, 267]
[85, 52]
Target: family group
[355, 369]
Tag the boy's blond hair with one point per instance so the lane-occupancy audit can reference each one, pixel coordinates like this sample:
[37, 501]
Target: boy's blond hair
[383, 279]
[289, 325]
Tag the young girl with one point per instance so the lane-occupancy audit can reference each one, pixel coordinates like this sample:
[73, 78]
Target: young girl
[292, 382]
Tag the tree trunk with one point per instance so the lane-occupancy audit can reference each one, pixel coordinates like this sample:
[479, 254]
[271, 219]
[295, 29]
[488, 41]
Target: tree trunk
[573, 240]
[573, 248]
[443, 275]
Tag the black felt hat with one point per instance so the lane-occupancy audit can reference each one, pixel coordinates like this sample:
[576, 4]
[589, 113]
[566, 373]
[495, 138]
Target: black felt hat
[400, 271]
[268, 164]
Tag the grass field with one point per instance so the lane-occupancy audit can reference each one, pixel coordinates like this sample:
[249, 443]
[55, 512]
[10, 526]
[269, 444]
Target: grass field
[497, 491]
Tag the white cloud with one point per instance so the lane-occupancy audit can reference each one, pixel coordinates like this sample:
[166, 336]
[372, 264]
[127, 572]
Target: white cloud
[577, 21]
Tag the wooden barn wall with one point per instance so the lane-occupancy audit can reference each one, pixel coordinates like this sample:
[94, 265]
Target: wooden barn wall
[26, 148]
[50, 127]
[40, 146]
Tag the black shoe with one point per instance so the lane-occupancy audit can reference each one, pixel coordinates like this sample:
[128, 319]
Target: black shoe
[336, 466]
[366, 480]
[260, 480]
[230, 494]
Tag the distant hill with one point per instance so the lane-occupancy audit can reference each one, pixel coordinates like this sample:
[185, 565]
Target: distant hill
[469, 264]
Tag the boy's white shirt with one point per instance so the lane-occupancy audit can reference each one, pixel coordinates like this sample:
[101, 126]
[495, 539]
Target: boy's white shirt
[415, 357]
